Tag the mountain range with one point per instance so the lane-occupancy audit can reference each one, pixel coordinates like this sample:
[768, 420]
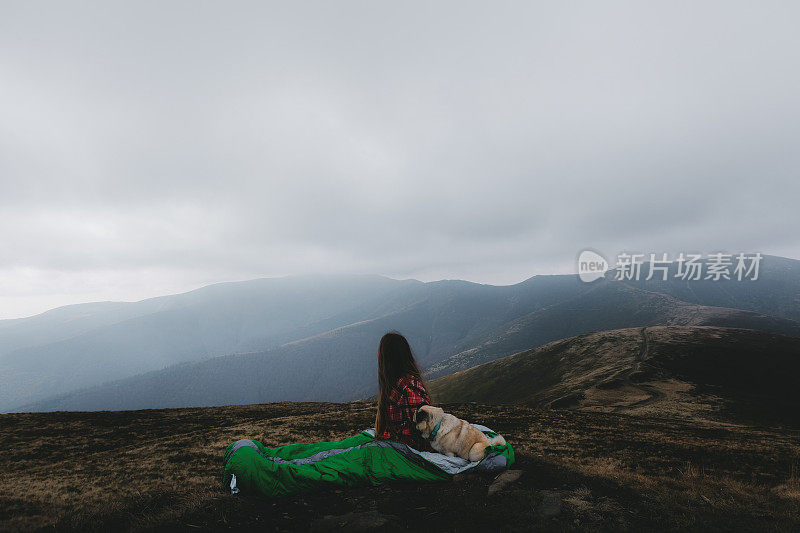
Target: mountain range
[315, 337]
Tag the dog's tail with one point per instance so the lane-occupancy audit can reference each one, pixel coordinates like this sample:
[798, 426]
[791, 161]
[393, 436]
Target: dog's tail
[497, 440]
[478, 450]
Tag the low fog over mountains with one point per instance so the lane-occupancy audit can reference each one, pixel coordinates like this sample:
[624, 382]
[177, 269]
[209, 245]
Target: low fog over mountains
[315, 338]
[82, 345]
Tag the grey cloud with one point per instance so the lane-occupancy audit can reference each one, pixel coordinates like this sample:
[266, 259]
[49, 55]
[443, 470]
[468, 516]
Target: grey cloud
[216, 141]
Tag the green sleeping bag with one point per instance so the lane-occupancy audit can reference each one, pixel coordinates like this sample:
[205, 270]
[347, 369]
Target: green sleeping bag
[253, 469]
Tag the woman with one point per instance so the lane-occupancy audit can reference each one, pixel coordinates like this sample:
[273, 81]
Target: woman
[400, 392]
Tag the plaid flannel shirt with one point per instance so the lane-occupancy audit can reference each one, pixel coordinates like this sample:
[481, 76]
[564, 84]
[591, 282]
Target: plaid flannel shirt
[404, 399]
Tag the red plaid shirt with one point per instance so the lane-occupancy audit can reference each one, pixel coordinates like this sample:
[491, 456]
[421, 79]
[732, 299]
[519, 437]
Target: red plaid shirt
[404, 399]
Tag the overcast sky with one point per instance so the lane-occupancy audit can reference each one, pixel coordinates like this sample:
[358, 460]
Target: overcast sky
[148, 148]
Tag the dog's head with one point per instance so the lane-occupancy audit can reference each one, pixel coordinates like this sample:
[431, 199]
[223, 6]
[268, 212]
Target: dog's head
[426, 419]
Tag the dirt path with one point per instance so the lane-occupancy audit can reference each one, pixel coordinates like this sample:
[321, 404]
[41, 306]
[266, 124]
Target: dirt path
[653, 394]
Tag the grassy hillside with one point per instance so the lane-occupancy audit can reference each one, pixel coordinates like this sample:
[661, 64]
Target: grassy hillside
[608, 305]
[118, 471]
[700, 372]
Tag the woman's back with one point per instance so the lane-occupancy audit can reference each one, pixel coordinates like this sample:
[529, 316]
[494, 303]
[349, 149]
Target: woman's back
[404, 399]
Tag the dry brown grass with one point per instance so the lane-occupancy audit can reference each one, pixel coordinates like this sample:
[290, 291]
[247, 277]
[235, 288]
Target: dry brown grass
[162, 468]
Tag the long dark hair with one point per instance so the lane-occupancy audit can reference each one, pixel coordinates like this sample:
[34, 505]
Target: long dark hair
[394, 361]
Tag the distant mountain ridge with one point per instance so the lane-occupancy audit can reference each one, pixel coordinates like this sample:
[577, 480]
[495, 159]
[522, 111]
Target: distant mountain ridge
[778, 277]
[315, 338]
[79, 346]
